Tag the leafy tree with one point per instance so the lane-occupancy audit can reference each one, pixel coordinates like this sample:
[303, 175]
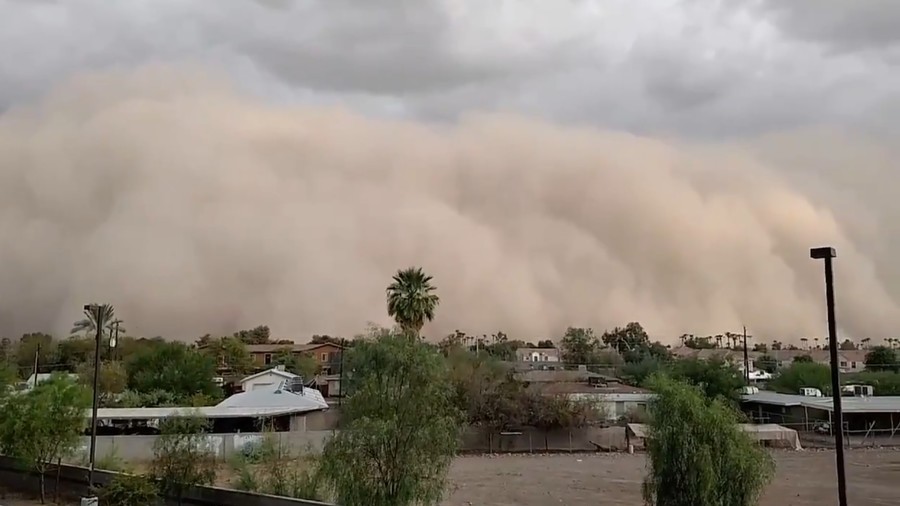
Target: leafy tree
[300, 364]
[767, 363]
[579, 346]
[802, 375]
[45, 423]
[181, 457]
[698, 454]
[716, 378]
[411, 300]
[637, 372]
[881, 358]
[36, 343]
[337, 341]
[546, 343]
[700, 343]
[230, 353]
[257, 335]
[75, 351]
[401, 427]
[173, 367]
[761, 347]
[847, 345]
[630, 337]
[802, 359]
[111, 380]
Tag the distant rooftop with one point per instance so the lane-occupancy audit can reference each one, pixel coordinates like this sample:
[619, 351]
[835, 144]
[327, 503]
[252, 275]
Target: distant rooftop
[873, 404]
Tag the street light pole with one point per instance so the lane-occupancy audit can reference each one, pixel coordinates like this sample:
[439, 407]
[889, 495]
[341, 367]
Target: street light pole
[94, 309]
[828, 254]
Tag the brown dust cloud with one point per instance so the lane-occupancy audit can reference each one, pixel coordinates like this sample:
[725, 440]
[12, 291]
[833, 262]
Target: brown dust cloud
[194, 208]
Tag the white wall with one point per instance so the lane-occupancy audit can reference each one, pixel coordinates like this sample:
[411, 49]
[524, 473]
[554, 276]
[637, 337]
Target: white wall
[266, 380]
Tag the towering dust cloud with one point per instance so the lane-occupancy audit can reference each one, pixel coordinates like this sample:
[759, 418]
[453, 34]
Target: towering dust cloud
[194, 209]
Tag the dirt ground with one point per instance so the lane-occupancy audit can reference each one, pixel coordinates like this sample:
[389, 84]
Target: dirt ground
[802, 479]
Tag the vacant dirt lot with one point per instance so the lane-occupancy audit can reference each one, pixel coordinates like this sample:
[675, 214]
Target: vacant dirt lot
[802, 479]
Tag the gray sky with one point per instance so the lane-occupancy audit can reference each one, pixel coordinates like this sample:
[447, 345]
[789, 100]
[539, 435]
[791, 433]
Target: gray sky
[691, 67]
[597, 161]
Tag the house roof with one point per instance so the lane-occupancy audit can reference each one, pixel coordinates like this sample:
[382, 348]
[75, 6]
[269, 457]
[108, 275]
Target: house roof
[277, 372]
[550, 352]
[296, 348]
[277, 396]
[584, 388]
[557, 376]
[880, 404]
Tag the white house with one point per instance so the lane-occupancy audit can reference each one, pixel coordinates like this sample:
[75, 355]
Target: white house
[266, 379]
[34, 379]
[537, 354]
[612, 401]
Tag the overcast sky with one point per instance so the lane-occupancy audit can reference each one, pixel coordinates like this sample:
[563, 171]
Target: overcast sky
[691, 67]
[777, 117]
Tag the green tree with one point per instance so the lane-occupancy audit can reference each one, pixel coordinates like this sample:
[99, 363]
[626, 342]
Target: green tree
[881, 358]
[715, 377]
[579, 346]
[74, 351]
[181, 457]
[802, 375]
[111, 380]
[767, 363]
[300, 364]
[802, 359]
[44, 424]
[630, 337]
[173, 367]
[411, 300]
[400, 426]
[35, 344]
[847, 345]
[698, 454]
[229, 353]
[546, 343]
[257, 335]
[130, 490]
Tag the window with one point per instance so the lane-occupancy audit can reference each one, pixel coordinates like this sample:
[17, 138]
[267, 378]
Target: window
[853, 365]
[324, 357]
[843, 363]
[267, 358]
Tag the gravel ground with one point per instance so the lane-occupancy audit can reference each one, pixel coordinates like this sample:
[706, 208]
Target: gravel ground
[802, 479]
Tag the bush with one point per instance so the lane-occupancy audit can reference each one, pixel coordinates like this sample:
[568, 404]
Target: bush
[129, 490]
[698, 455]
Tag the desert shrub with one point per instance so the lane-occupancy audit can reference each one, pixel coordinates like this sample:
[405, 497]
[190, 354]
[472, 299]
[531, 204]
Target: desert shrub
[698, 455]
[129, 490]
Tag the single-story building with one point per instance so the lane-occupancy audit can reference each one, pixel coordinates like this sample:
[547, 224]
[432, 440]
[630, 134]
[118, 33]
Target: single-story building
[282, 407]
[266, 379]
[612, 400]
[869, 414]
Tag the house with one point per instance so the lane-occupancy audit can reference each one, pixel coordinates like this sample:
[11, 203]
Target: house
[581, 375]
[327, 355]
[266, 379]
[612, 399]
[34, 379]
[848, 360]
[537, 355]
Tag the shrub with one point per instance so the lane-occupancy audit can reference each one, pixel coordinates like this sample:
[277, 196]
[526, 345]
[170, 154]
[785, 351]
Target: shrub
[129, 490]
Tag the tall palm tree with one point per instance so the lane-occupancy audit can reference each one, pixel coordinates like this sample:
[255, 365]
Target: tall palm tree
[96, 316]
[410, 299]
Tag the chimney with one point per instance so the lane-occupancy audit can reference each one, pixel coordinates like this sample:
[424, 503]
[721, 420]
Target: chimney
[279, 367]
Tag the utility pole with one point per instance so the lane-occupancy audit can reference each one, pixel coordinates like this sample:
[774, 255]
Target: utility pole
[37, 354]
[341, 380]
[98, 338]
[746, 358]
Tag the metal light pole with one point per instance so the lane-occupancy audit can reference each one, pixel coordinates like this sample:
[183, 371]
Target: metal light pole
[746, 358]
[827, 254]
[92, 308]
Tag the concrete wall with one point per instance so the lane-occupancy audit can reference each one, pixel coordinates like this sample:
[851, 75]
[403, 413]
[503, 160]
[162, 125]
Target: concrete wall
[139, 448]
[73, 483]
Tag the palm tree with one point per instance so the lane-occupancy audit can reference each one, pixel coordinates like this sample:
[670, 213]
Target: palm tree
[804, 341]
[410, 300]
[865, 343]
[96, 316]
